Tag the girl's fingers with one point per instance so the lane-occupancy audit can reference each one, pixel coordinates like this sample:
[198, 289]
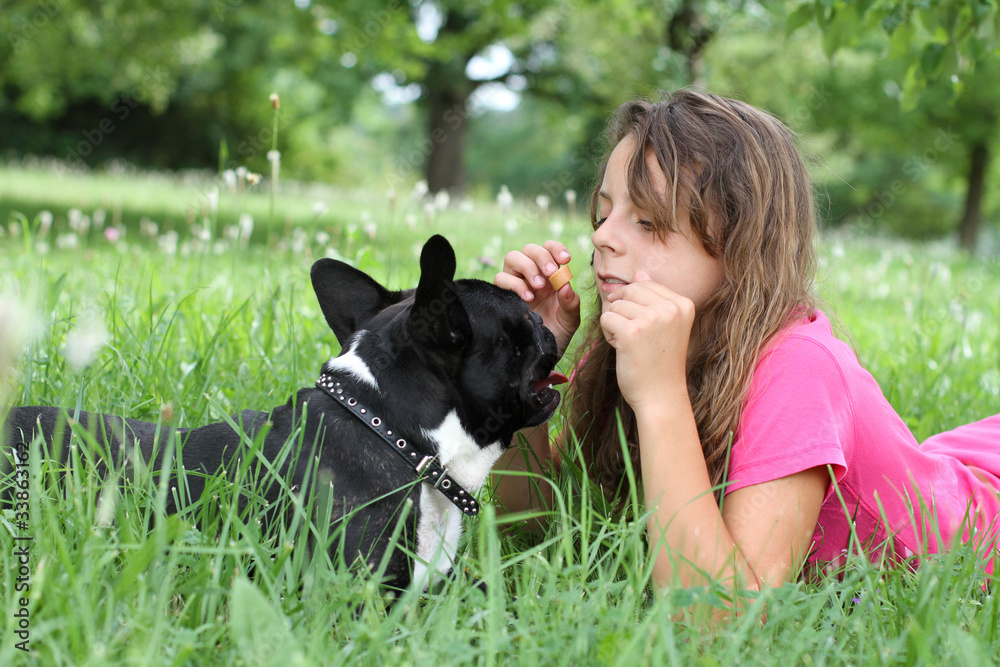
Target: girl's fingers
[527, 270]
[656, 296]
[646, 292]
[630, 310]
[525, 264]
[558, 251]
[612, 324]
[545, 264]
[509, 281]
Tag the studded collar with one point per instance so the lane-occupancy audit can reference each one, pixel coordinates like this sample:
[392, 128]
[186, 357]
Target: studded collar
[426, 467]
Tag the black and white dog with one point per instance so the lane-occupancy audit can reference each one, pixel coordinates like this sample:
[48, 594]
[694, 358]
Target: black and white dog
[427, 393]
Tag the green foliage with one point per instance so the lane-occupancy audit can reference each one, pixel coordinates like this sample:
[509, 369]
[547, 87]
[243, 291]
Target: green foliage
[940, 41]
[195, 337]
[871, 86]
[163, 85]
[876, 165]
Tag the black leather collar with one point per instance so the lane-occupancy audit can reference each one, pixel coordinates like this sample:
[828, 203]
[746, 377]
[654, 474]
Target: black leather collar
[426, 466]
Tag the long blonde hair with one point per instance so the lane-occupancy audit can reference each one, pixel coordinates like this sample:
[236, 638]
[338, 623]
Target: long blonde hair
[750, 200]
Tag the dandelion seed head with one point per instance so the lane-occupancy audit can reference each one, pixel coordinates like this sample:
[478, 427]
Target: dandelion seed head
[68, 241]
[75, 218]
[85, 341]
[168, 242]
[106, 505]
[505, 199]
[45, 221]
[18, 325]
[441, 200]
[246, 226]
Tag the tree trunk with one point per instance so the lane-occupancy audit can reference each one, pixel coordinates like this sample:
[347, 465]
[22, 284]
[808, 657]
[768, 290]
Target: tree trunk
[968, 228]
[448, 115]
[688, 32]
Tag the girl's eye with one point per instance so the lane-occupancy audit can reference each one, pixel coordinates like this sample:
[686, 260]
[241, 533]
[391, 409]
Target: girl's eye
[645, 224]
[600, 222]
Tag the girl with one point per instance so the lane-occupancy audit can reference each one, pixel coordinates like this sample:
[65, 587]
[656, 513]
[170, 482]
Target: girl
[729, 382]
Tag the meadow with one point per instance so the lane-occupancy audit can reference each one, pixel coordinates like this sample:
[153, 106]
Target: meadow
[165, 299]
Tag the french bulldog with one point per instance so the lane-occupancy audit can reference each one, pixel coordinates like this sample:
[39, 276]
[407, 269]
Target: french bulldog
[404, 425]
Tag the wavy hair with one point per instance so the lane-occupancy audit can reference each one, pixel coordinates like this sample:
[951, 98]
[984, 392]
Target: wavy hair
[737, 170]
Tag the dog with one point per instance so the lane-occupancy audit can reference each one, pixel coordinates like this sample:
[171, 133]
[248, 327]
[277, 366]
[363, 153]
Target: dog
[404, 425]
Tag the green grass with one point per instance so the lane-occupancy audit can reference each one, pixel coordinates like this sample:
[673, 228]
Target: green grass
[199, 333]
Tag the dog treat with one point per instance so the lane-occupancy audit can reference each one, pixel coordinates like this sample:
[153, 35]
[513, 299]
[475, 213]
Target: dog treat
[560, 277]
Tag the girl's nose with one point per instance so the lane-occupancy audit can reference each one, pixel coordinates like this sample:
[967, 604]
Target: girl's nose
[606, 237]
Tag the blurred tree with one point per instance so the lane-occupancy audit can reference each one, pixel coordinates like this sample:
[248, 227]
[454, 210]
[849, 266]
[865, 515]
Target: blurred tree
[433, 43]
[583, 55]
[947, 52]
[163, 83]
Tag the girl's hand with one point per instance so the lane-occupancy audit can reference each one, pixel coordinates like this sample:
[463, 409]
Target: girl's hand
[526, 273]
[649, 326]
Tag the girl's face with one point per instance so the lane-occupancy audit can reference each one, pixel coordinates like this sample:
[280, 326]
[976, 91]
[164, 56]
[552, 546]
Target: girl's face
[625, 243]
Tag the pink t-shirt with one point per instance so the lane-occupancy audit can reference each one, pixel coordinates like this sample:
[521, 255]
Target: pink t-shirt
[812, 404]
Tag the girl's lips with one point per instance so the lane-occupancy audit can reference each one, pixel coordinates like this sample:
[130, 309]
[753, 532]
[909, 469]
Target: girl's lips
[611, 284]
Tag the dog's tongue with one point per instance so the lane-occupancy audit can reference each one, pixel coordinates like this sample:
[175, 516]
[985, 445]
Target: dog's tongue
[553, 379]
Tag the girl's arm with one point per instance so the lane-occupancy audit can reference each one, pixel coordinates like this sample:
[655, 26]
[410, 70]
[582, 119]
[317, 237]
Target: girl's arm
[751, 543]
[521, 493]
[760, 537]
[526, 273]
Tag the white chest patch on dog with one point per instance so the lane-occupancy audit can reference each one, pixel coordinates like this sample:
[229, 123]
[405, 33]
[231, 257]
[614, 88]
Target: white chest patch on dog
[458, 452]
[438, 532]
[351, 363]
[440, 526]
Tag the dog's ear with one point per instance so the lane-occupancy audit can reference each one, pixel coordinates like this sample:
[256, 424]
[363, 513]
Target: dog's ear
[348, 297]
[438, 318]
